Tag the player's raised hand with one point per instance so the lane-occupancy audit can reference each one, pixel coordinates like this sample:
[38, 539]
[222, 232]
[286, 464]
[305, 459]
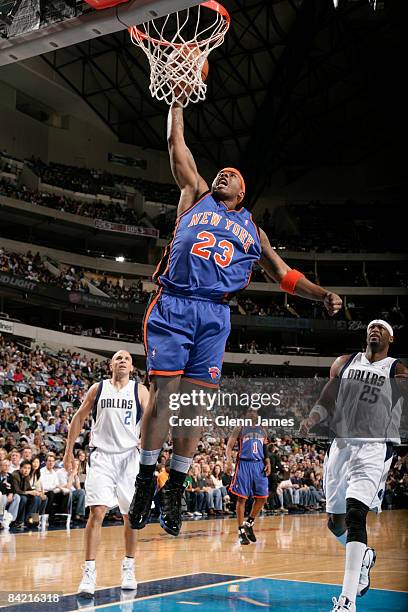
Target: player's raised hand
[332, 303]
[69, 462]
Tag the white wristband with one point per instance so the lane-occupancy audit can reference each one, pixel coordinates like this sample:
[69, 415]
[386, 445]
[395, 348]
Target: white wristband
[320, 410]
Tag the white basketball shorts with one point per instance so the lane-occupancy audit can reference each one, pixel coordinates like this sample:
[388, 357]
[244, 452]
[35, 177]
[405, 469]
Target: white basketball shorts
[355, 469]
[110, 479]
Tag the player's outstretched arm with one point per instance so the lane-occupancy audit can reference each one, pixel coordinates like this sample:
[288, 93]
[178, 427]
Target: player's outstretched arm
[327, 399]
[293, 281]
[76, 425]
[182, 163]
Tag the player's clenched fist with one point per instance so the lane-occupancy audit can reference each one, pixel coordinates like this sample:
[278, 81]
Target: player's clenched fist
[332, 303]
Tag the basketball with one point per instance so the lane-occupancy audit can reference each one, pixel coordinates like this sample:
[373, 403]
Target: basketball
[204, 70]
[184, 62]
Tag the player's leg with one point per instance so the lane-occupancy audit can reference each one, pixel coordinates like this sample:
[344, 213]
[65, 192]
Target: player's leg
[92, 539]
[260, 492]
[367, 471]
[199, 383]
[241, 487]
[168, 336]
[126, 469]
[240, 509]
[154, 432]
[336, 523]
[100, 489]
[185, 441]
[257, 506]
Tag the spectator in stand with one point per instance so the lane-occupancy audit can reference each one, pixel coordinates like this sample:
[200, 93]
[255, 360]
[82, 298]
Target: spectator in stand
[70, 482]
[197, 492]
[216, 477]
[58, 497]
[82, 466]
[213, 494]
[30, 499]
[62, 426]
[9, 499]
[15, 461]
[50, 427]
[9, 443]
[26, 453]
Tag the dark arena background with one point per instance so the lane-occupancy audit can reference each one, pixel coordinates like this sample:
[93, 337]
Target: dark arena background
[307, 98]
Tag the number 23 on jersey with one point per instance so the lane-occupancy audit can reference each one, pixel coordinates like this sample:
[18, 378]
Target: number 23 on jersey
[203, 248]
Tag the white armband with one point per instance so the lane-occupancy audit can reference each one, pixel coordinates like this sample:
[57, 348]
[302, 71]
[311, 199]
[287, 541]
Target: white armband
[320, 410]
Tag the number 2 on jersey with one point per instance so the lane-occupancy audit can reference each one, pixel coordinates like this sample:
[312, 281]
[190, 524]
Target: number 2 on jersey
[128, 416]
[207, 242]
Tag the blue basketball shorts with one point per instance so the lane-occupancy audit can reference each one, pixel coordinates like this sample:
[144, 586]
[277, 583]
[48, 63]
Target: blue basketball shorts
[249, 479]
[186, 336]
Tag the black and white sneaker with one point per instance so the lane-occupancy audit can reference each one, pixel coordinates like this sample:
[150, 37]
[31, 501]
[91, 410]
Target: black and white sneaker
[141, 505]
[367, 565]
[249, 529]
[169, 501]
[242, 535]
[343, 604]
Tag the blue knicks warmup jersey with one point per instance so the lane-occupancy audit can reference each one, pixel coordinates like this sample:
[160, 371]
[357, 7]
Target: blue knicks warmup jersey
[212, 251]
[251, 441]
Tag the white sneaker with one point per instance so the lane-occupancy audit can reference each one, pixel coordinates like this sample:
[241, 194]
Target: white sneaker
[197, 513]
[129, 581]
[343, 605]
[364, 580]
[88, 583]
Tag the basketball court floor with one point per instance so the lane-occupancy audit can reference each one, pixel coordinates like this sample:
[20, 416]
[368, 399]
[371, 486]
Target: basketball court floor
[295, 565]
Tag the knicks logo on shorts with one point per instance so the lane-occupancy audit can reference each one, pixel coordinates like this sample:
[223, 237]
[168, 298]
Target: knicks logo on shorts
[214, 372]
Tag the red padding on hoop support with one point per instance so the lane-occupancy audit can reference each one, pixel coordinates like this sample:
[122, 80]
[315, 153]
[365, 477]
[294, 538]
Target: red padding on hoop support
[103, 4]
[290, 280]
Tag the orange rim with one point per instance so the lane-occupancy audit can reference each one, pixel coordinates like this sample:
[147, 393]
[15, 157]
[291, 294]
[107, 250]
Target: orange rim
[210, 4]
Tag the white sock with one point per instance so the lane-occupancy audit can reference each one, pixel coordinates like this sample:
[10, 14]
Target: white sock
[128, 560]
[90, 564]
[342, 539]
[354, 558]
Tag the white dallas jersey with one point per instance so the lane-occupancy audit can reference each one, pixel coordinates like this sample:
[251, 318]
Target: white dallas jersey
[368, 405]
[116, 418]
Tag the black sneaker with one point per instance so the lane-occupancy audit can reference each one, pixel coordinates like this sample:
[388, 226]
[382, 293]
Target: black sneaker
[249, 530]
[169, 500]
[140, 508]
[243, 538]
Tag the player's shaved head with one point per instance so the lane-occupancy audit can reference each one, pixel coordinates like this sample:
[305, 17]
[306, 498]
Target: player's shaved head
[120, 354]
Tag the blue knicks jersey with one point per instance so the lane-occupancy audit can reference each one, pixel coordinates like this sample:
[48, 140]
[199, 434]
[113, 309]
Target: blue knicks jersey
[212, 251]
[251, 441]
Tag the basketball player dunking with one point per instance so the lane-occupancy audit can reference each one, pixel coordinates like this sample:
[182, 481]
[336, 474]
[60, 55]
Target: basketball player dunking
[250, 479]
[116, 405]
[214, 246]
[366, 420]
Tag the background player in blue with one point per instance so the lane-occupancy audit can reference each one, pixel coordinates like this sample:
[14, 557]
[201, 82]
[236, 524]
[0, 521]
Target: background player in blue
[187, 323]
[252, 469]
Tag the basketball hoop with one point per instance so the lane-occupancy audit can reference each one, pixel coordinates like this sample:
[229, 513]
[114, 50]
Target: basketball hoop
[177, 47]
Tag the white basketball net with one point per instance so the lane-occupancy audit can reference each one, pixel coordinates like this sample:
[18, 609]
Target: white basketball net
[177, 50]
